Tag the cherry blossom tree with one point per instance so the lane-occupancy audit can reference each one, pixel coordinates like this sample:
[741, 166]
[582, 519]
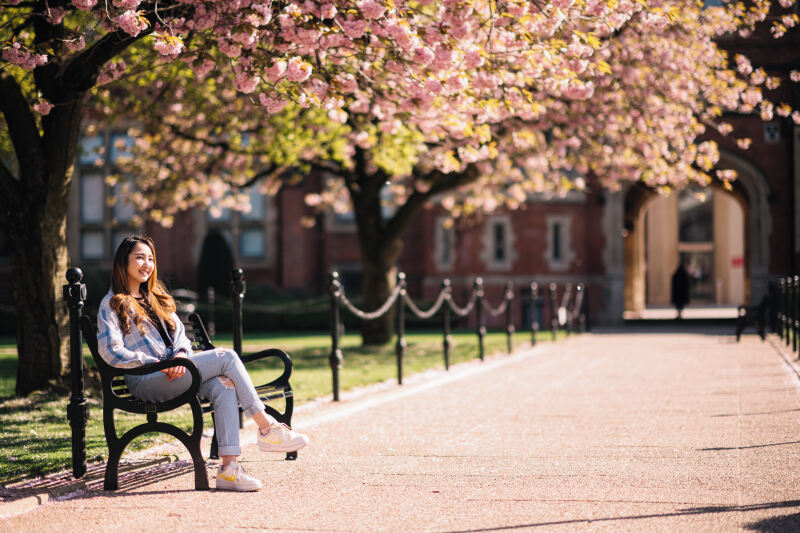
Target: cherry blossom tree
[476, 108]
[474, 103]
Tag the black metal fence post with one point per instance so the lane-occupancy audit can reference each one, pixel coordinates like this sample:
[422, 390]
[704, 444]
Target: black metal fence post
[212, 300]
[579, 324]
[77, 409]
[795, 318]
[509, 319]
[447, 337]
[553, 310]
[237, 294]
[481, 329]
[780, 306]
[400, 347]
[787, 310]
[335, 358]
[534, 324]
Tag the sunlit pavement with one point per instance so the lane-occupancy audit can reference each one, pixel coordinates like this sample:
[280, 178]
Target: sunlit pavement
[600, 432]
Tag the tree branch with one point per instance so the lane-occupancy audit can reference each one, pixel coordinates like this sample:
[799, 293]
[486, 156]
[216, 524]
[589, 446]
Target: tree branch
[441, 183]
[23, 131]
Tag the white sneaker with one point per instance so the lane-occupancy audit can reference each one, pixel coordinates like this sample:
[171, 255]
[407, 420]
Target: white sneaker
[280, 438]
[235, 478]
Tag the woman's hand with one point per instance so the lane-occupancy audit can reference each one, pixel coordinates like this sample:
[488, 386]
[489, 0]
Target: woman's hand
[175, 372]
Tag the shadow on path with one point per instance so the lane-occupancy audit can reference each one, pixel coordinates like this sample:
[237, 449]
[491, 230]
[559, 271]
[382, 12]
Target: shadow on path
[133, 474]
[787, 523]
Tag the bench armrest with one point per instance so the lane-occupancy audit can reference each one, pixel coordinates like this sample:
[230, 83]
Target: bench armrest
[161, 365]
[273, 352]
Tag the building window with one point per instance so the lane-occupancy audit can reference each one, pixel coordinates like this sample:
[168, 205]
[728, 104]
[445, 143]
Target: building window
[443, 245]
[499, 231]
[559, 253]
[104, 215]
[772, 132]
[556, 240]
[245, 231]
[498, 243]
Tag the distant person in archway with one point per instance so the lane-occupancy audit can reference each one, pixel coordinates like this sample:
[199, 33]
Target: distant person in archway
[680, 289]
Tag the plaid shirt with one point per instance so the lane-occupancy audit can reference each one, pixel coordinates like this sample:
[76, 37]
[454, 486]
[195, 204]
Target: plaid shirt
[135, 349]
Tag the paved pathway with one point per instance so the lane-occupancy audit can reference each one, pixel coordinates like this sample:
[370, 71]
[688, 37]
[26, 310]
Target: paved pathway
[603, 432]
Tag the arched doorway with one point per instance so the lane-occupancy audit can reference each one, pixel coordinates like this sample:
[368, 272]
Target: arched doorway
[704, 230]
[722, 234]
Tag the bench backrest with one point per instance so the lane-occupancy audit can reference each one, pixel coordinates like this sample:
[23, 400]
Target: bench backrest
[113, 382]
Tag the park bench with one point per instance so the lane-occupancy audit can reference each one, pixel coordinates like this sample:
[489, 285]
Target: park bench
[116, 396]
[753, 315]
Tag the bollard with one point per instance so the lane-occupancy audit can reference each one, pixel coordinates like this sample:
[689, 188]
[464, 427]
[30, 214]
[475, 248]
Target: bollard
[534, 324]
[400, 347]
[212, 298]
[77, 409]
[447, 337]
[481, 330]
[335, 358]
[553, 310]
[509, 322]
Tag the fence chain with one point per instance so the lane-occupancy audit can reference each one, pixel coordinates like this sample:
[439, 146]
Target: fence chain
[371, 315]
[431, 311]
[467, 309]
[499, 310]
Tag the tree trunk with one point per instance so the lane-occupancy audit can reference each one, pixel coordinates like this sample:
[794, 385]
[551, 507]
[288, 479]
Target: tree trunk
[34, 211]
[39, 249]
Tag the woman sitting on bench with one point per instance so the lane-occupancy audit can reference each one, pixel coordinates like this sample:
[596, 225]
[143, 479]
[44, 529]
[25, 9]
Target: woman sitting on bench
[137, 325]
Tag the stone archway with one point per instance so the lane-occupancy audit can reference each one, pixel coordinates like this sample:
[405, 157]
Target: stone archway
[623, 230]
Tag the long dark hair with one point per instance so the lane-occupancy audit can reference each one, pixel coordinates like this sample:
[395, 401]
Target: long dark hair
[153, 291]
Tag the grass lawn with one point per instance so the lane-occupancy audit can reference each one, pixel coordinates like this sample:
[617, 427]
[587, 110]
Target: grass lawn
[35, 436]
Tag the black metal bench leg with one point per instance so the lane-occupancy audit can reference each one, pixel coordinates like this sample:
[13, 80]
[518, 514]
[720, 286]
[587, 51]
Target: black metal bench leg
[111, 480]
[214, 453]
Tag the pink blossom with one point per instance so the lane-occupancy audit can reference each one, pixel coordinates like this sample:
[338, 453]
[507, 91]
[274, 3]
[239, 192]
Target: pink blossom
[298, 70]
[795, 76]
[725, 128]
[126, 4]
[22, 57]
[201, 68]
[168, 45]
[132, 23]
[275, 71]
[230, 49]
[433, 86]
[56, 15]
[473, 58]
[796, 117]
[347, 82]
[371, 9]
[274, 104]
[786, 4]
[265, 11]
[42, 107]
[84, 5]
[354, 28]
[111, 71]
[245, 82]
[327, 11]
[75, 44]
[423, 55]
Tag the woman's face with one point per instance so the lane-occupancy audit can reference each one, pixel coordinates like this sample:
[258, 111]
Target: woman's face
[140, 263]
